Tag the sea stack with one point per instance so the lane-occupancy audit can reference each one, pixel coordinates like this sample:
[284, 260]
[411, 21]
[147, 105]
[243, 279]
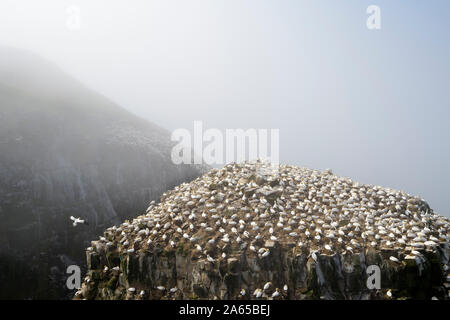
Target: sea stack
[246, 230]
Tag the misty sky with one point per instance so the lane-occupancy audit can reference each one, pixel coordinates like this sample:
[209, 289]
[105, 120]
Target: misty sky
[372, 105]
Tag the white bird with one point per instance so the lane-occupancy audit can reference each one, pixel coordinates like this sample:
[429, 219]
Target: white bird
[77, 221]
[432, 238]
[242, 293]
[389, 293]
[276, 293]
[392, 258]
[267, 285]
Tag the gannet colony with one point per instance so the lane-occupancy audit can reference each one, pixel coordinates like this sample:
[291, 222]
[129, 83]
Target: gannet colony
[295, 233]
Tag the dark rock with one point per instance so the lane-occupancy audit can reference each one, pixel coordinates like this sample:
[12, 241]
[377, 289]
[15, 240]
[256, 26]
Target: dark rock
[331, 277]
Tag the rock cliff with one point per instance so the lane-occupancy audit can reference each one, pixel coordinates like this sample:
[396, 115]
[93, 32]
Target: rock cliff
[242, 233]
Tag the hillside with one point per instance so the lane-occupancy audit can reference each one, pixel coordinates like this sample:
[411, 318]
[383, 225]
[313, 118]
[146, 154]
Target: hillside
[66, 150]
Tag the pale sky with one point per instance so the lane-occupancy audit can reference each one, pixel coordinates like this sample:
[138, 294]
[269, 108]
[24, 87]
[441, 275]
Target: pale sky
[372, 105]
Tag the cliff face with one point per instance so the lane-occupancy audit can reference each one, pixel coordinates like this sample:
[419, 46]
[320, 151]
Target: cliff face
[66, 150]
[297, 234]
[329, 277]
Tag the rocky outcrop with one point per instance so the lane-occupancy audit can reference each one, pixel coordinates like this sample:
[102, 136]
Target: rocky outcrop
[295, 233]
[66, 150]
[295, 275]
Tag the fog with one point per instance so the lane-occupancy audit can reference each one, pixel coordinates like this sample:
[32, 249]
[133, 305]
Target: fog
[369, 104]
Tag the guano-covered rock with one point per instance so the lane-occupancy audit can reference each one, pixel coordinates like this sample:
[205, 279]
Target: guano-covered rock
[254, 231]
